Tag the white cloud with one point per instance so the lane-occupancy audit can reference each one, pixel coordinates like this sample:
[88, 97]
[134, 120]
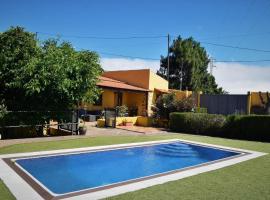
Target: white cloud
[109, 64]
[233, 77]
[239, 78]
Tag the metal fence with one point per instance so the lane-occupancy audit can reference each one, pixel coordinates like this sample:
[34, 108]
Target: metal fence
[224, 103]
[21, 124]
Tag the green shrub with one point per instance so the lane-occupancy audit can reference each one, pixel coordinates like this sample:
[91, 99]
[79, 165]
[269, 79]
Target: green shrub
[122, 111]
[251, 127]
[3, 110]
[18, 132]
[197, 123]
[200, 110]
[168, 103]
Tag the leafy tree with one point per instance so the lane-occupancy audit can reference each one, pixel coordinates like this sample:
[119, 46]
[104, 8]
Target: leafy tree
[168, 103]
[51, 76]
[188, 61]
[17, 49]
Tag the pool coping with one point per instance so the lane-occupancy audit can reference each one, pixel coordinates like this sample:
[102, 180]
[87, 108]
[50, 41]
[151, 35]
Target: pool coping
[22, 185]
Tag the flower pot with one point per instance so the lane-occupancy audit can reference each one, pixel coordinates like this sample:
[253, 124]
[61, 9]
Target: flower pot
[82, 130]
[128, 124]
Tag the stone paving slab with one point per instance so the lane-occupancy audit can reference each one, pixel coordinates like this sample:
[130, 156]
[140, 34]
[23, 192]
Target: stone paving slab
[91, 132]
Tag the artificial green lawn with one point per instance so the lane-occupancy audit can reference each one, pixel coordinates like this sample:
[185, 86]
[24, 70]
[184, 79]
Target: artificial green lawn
[247, 180]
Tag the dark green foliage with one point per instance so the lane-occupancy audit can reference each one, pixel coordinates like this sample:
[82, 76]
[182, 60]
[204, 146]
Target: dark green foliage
[164, 106]
[122, 111]
[198, 123]
[184, 104]
[200, 110]
[48, 77]
[249, 127]
[51, 76]
[3, 110]
[168, 103]
[17, 50]
[189, 60]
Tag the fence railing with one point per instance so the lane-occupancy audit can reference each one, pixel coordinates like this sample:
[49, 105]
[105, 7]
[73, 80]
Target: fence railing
[21, 123]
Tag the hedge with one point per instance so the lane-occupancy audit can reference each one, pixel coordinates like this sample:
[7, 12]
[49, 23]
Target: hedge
[197, 123]
[249, 127]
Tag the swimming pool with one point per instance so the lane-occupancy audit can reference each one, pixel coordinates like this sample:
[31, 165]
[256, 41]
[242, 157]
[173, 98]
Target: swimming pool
[96, 169]
[110, 170]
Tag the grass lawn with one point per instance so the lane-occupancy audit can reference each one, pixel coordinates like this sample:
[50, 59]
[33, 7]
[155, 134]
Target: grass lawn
[247, 180]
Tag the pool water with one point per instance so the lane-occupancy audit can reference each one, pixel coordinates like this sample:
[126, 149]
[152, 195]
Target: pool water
[73, 172]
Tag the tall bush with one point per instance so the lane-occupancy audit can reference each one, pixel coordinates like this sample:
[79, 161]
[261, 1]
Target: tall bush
[197, 123]
[248, 127]
[169, 103]
[252, 127]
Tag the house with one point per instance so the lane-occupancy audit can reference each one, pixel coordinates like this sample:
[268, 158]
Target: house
[137, 89]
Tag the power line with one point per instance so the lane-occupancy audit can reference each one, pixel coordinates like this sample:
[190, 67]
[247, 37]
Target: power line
[126, 56]
[236, 47]
[231, 46]
[244, 61]
[147, 58]
[151, 37]
[104, 38]
[232, 36]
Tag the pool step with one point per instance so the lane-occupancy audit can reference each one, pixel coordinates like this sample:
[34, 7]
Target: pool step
[176, 154]
[177, 150]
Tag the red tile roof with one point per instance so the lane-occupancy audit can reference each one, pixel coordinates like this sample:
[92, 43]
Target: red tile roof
[162, 90]
[112, 83]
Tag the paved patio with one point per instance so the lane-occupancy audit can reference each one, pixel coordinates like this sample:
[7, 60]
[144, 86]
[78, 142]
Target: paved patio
[91, 132]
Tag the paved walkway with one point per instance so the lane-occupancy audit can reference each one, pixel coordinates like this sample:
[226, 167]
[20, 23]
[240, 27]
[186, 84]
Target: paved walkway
[91, 132]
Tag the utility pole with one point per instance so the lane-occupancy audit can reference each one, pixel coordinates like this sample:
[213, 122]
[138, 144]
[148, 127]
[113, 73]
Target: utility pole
[181, 75]
[168, 59]
[211, 65]
[36, 35]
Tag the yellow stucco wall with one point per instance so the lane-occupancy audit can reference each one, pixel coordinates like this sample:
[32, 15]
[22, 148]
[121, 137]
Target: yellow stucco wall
[256, 100]
[138, 120]
[108, 101]
[143, 78]
[182, 94]
[139, 78]
[130, 99]
[155, 81]
[136, 100]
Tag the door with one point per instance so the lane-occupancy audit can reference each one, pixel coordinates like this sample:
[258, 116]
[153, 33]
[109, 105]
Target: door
[118, 98]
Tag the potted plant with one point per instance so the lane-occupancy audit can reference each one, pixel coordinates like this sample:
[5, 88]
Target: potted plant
[82, 128]
[127, 123]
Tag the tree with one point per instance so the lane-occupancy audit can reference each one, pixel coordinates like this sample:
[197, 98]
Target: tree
[188, 62]
[51, 76]
[168, 103]
[17, 49]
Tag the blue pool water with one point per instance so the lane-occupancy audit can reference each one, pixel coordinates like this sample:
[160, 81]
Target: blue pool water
[69, 173]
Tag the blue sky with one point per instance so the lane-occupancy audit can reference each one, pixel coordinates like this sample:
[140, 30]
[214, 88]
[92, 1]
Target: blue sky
[243, 23]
